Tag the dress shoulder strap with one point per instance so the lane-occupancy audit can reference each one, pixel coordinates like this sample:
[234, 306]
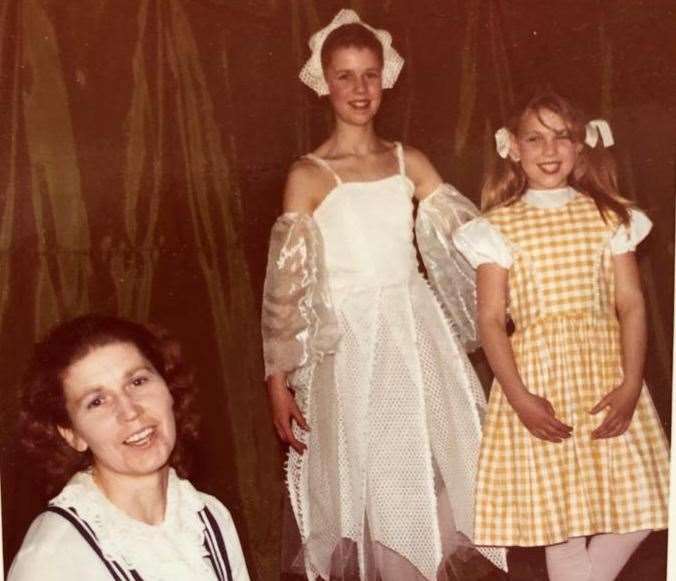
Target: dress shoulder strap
[325, 164]
[116, 571]
[399, 151]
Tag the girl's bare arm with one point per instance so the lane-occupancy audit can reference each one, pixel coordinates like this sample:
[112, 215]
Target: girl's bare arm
[535, 412]
[630, 307]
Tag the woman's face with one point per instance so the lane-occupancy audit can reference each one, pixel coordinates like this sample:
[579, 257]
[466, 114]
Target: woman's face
[121, 409]
[354, 77]
[545, 148]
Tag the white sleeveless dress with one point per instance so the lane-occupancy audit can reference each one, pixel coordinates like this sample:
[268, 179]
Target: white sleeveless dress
[394, 412]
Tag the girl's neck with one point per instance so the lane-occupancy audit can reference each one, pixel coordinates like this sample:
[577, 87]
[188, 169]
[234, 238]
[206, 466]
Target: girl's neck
[143, 498]
[353, 140]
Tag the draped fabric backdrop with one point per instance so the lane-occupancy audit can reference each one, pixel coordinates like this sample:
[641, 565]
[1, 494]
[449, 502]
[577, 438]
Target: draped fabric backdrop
[143, 151]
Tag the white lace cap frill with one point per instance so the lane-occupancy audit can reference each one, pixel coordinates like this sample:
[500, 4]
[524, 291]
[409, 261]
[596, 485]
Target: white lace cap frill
[156, 551]
[451, 276]
[481, 243]
[628, 236]
[312, 73]
[298, 323]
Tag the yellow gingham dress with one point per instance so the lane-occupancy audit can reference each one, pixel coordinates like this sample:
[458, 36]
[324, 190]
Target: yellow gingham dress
[567, 347]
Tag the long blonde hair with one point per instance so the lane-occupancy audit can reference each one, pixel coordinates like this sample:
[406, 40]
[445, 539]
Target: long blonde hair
[594, 173]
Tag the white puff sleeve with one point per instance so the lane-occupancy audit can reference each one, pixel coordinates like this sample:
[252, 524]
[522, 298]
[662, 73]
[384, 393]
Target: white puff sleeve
[480, 242]
[628, 236]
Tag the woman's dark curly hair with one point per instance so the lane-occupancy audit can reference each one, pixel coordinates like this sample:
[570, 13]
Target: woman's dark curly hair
[43, 405]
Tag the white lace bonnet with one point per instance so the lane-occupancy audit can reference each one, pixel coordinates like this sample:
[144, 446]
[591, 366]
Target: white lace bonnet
[312, 74]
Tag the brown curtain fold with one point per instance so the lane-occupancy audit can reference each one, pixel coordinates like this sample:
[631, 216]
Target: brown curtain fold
[468, 85]
[133, 260]
[606, 49]
[9, 69]
[302, 11]
[501, 76]
[60, 217]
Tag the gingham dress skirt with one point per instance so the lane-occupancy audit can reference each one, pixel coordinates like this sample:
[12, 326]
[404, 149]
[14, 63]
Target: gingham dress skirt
[567, 347]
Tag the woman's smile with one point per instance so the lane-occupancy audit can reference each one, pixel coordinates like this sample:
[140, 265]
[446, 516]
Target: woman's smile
[141, 438]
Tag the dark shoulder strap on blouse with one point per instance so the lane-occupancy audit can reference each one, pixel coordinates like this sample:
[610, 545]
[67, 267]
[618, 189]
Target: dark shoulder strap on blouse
[116, 571]
[215, 545]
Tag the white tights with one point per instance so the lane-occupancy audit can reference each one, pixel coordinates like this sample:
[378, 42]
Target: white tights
[600, 560]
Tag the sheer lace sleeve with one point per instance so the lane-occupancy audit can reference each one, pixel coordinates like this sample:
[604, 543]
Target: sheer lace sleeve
[298, 322]
[451, 276]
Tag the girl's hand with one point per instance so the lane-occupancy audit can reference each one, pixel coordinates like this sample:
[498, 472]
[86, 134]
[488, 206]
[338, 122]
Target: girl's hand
[621, 403]
[284, 410]
[539, 417]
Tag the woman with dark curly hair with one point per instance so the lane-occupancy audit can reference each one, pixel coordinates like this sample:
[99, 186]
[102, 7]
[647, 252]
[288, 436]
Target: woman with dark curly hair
[106, 410]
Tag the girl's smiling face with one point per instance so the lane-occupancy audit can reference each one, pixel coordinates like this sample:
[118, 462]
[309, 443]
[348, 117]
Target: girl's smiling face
[545, 149]
[120, 408]
[354, 77]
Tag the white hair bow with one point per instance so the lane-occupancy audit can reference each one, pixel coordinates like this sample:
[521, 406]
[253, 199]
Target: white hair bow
[502, 142]
[595, 128]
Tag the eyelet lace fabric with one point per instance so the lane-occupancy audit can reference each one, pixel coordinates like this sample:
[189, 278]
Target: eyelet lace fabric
[171, 550]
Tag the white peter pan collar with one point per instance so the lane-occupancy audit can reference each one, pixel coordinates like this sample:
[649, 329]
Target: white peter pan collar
[549, 198]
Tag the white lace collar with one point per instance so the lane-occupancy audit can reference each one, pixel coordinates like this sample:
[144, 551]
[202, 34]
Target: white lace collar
[549, 198]
[172, 549]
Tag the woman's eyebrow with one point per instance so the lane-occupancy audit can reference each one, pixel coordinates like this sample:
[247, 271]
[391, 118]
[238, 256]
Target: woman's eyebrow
[89, 391]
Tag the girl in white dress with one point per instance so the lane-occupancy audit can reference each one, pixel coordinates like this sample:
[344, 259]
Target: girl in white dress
[367, 372]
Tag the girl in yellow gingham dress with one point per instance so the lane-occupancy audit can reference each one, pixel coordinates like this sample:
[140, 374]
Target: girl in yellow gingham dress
[572, 444]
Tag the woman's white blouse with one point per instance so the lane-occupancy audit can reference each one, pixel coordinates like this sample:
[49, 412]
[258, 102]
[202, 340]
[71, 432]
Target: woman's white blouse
[480, 242]
[53, 550]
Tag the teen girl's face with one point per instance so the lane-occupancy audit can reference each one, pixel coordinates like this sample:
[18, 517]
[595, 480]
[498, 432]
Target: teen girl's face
[545, 149]
[121, 409]
[354, 77]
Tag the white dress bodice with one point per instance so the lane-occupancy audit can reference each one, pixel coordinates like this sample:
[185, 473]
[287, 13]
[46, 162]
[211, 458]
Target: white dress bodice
[367, 228]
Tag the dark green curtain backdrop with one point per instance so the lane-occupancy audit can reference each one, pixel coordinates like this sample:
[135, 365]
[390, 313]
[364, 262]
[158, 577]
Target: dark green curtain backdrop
[143, 151]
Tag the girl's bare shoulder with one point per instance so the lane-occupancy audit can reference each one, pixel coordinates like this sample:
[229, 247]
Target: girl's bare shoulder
[307, 184]
[421, 171]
